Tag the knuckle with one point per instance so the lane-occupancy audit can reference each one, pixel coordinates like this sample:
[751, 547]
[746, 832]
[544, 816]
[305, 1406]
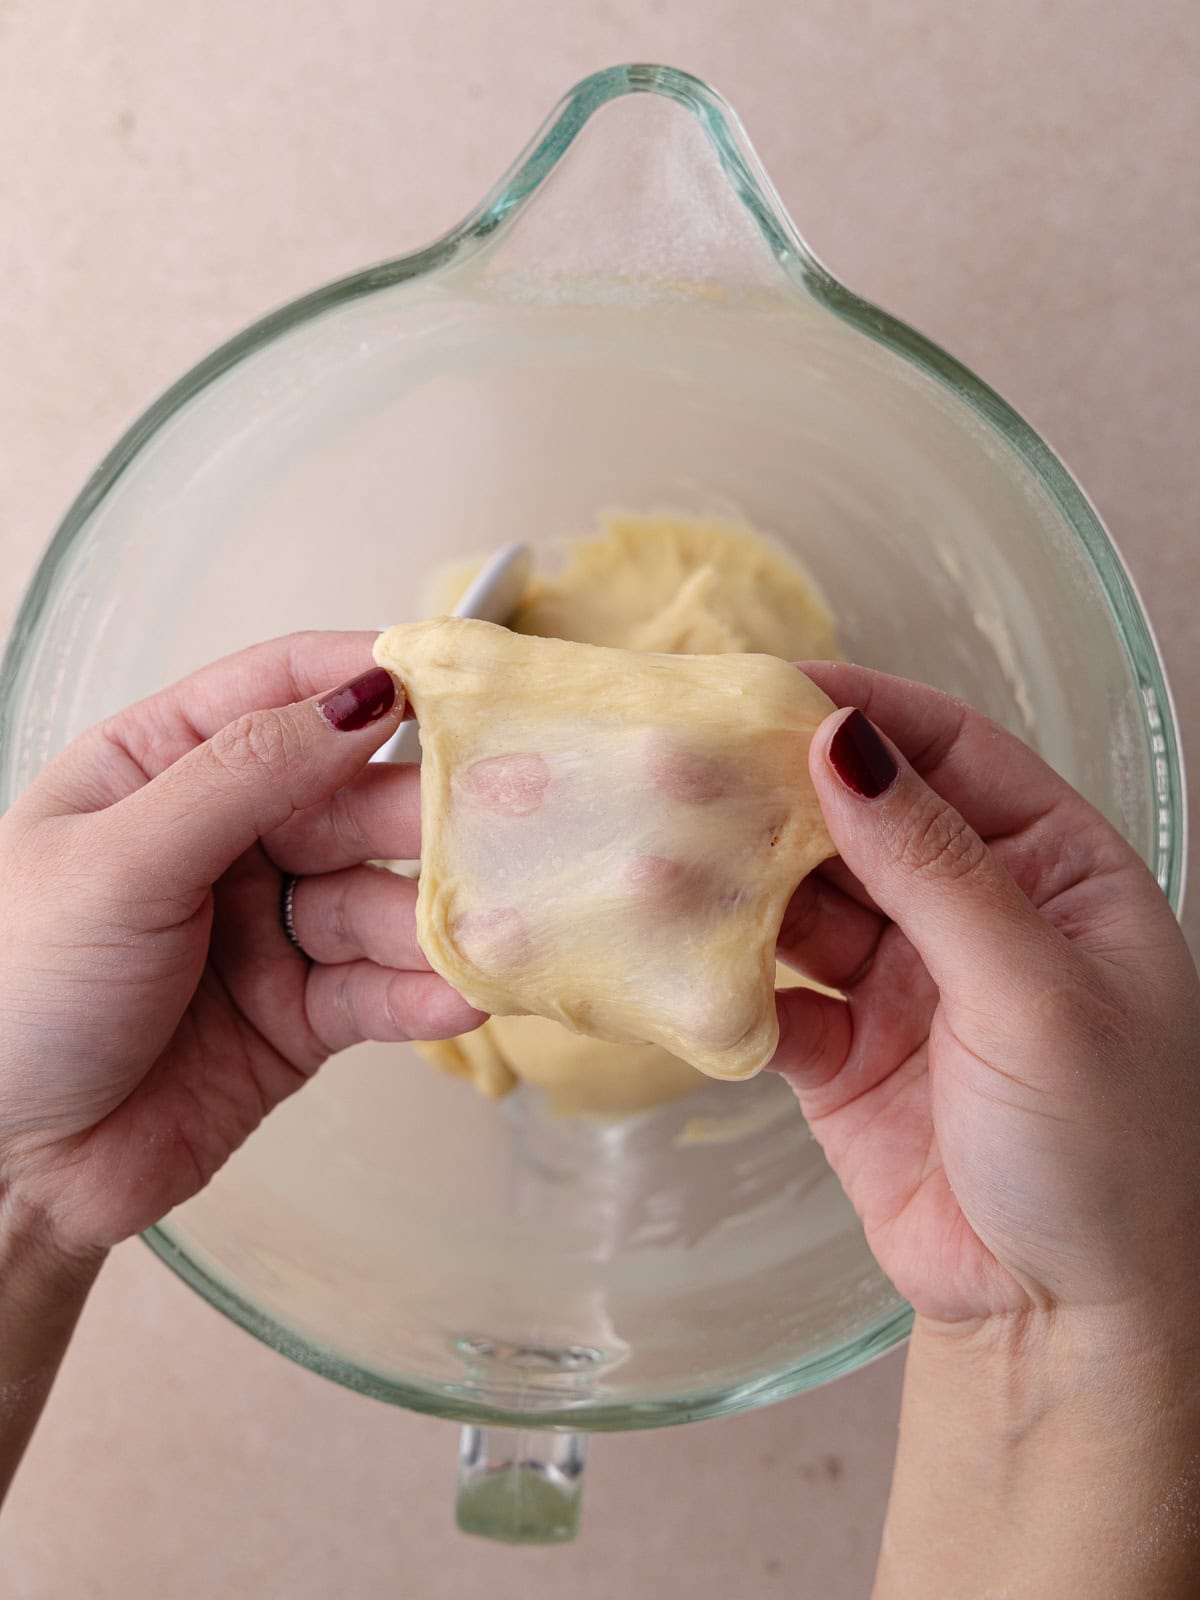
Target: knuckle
[331, 1010]
[344, 829]
[339, 914]
[341, 1000]
[256, 742]
[395, 1010]
[932, 840]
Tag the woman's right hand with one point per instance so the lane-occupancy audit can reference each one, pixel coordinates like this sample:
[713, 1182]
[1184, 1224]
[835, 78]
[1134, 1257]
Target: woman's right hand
[1010, 1096]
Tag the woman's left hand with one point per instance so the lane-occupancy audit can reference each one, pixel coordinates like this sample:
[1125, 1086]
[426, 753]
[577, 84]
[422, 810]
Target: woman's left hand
[153, 1009]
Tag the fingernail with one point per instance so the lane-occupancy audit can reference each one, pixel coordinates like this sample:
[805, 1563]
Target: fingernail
[860, 758]
[360, 702]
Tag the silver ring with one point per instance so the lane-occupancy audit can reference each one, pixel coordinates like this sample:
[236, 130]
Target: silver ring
[287, 894]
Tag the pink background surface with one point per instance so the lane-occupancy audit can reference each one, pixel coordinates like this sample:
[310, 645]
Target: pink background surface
[1017, 181]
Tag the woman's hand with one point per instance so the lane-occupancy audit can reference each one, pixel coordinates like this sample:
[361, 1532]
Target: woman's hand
[1011, 1098]
[1011, 1094]
[154, 1010]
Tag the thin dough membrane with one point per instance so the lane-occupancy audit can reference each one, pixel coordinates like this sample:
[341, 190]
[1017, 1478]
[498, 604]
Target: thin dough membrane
[609, 837]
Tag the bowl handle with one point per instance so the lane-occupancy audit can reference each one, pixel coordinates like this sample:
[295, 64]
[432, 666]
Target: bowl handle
[520, 1485]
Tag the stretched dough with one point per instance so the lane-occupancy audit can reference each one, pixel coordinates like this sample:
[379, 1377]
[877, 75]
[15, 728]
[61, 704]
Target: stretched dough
[610, 838]
[658, 581]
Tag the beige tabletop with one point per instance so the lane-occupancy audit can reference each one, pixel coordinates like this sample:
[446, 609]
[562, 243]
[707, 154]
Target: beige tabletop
[1016, 180]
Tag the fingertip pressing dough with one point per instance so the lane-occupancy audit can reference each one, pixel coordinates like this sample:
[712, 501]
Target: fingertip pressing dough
[610, 837]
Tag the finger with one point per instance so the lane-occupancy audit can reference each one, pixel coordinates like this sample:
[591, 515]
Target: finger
[927, 868]
[835, 1058]
[176, 835]
[827, 935]
[1037, 824]
[815, 1034]
[376, 817]
[356, 1001]
[122, 753]
[363, 913]
[995, 780]
[837, 874]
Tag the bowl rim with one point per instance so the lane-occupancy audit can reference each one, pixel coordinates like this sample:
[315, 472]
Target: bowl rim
[493, 216]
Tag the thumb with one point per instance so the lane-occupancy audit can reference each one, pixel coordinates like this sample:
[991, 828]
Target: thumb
[925, 867]
[190, 824]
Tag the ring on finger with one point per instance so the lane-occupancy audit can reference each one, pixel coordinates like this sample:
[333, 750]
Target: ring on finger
[287, 895]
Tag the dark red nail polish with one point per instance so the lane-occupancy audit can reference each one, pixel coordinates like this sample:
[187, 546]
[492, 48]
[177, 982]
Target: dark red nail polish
[860, 758]
[360, 702]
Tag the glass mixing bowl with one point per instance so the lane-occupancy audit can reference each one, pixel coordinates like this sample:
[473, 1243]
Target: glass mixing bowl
[629, 320]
